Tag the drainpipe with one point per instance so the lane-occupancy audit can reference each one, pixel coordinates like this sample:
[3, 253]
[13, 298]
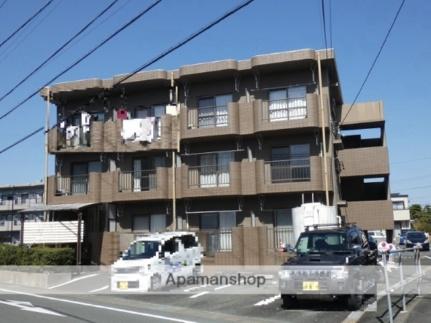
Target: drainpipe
[322, 122]
[45, 186]
[174, 176]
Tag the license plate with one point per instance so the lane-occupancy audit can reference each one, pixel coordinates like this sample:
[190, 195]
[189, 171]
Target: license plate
[310, 286]
[123, 285]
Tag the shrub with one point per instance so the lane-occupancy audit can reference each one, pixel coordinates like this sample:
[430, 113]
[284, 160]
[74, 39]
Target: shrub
[36, 256]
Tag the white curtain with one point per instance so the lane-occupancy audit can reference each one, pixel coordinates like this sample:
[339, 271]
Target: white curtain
[222, 113]
[223, 164]
[137, 170]
[208, 170]
[297, 102]
[278, 105]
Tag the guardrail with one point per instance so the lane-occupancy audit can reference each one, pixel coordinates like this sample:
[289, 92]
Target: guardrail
[209, 176]
[286, 109]
[289, 170]
[137, 181]
[403, 282]
[71, 185]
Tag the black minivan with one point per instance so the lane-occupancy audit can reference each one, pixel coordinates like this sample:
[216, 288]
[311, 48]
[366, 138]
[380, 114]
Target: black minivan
[417, 238]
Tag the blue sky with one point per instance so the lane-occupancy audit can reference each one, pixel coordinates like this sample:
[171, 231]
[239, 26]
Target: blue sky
[400, 78]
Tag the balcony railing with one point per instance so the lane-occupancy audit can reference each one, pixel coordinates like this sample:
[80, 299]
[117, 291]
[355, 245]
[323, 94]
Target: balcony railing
[74, 136]
[291, 170]
[217, 240]
[71, 185]
[286, 109]
[209, 176]
[137, 181]
[280, 236]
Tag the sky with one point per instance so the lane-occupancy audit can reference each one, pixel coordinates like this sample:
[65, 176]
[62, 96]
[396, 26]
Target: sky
[400, 78]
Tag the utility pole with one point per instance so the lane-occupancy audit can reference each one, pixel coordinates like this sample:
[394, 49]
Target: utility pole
[322, 122]
[45, 186]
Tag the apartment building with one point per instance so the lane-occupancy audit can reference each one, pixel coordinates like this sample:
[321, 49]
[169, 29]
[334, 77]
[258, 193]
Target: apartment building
[402, 218]
[216, 147]
[13, 199]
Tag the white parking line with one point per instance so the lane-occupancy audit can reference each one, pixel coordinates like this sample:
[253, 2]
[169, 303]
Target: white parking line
[199, 294]
[194, 288]
[99, 289]
[428, 257]
[268, 300]
[109, 308]
[221, 287]
[72, 281]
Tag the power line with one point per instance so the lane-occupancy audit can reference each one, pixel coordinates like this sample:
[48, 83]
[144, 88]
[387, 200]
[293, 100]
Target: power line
[18, 42]
[330, 24]
[77, 62]
[3, 3]
[37, 13]
[152, 61]
[375, 59]
[58, 50]
[322, 2]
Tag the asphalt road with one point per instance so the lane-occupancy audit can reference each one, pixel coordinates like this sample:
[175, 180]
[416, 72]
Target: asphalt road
[201, 305]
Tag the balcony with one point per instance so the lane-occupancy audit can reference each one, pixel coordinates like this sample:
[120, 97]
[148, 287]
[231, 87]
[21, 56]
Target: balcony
[294, 175]
[362, 114]
[210, 121]
[287, 114]
[165, 137]
[369, 161]
[402, 215]
[74, 189]
[78, 139]
[139, 185]
[211, 180]
[369, 215]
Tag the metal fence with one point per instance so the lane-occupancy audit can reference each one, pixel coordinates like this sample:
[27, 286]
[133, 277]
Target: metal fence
[71, 185]
[286, 109]
[279, 236]
[290, 170]
[209, 117]
[214, 241]
[137, 181]
[209, 176]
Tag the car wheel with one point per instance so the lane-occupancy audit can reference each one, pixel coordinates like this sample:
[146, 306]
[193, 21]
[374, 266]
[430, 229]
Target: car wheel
[354, 302]
[156, 282]
[289, 301]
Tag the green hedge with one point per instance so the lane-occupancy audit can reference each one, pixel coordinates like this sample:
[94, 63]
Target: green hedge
[36, 256]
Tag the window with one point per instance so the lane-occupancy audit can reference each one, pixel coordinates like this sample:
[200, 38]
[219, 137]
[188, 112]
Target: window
[213, 170]
[3, 219]
[189, 241]
[291, 163]
[151, 223]
[398, 205]
[209, 221]
[142, 250]
[213, 111]
[144, 173]
[24, 198]
[288, 104]
[79, 178]
[157, 111]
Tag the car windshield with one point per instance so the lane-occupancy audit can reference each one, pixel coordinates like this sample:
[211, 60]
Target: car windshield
[318, 242]
[142, 250]
[415, 235]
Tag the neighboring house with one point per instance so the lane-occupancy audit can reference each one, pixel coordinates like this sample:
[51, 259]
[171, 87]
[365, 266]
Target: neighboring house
[223, 145]
[402, 219]
[14, 198]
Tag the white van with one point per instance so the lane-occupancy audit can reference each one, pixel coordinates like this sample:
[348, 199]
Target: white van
[149, 260]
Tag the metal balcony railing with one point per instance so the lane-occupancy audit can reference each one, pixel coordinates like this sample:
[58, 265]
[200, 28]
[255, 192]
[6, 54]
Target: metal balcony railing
[209, 176]
[137, 181]
[71, 185]
[290, 170]
[209, 117]
[286, 109]
[280, 236]
[217, 240]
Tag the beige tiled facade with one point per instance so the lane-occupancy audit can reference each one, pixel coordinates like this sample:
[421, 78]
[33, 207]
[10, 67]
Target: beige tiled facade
[229, 158]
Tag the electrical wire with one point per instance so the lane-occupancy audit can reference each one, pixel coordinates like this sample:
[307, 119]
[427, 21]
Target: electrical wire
[330, 24]
[77, 62]
[152, 61]
[375, 59]
[3, 3]
[58, 50]
[37, 13]
[322, 2]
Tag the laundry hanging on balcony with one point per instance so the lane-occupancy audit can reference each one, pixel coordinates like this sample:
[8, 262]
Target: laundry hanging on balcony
[85, 121]
[138, 130]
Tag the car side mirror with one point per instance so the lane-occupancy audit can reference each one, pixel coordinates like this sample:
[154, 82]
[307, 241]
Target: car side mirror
[373, 245]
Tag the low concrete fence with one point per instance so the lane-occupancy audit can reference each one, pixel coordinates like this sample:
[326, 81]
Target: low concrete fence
[33, 279]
